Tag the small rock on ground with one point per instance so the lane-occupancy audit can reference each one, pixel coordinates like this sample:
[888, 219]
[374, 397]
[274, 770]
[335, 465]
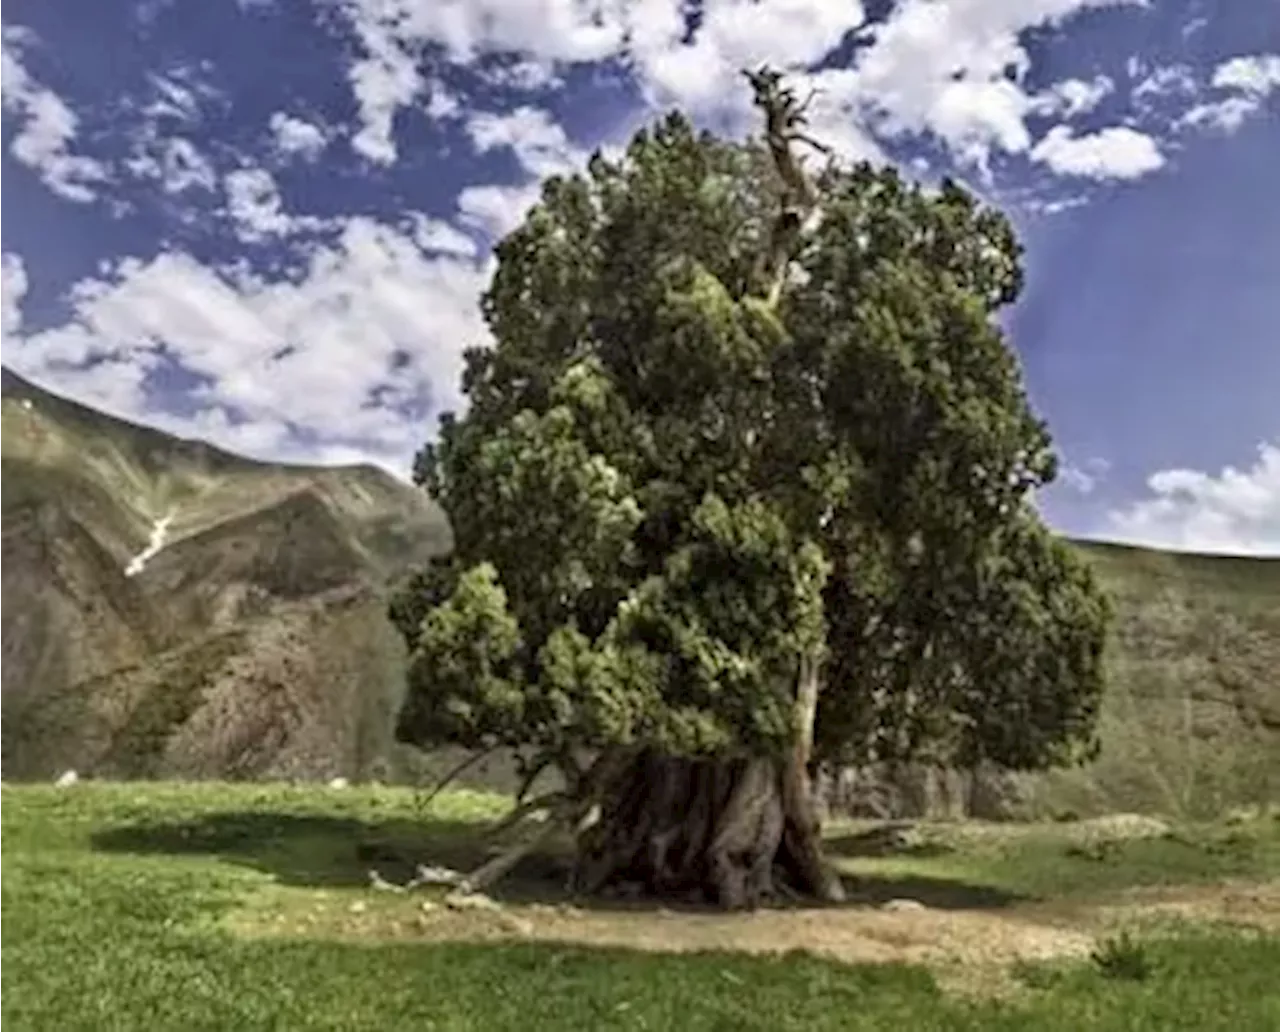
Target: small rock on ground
[903, 904]
[471, 901]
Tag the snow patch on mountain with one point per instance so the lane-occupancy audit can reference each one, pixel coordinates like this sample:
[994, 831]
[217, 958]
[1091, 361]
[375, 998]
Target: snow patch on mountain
[159, 533]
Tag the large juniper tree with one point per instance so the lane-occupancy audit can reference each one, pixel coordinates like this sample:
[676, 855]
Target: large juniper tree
[743, 486]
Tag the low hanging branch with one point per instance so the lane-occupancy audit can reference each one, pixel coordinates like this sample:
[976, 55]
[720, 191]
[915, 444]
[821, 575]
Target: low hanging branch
[494, 869]
[561, 759]
[525, 809]
[453, 775]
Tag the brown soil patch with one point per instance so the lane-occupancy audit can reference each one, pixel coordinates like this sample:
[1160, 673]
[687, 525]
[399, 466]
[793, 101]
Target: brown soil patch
[968, 948]
[852, 935]
[970, 951]
[1248, 904]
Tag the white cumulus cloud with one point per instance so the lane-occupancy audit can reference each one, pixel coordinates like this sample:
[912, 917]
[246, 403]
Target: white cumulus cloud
[346, 358]
[49, 127]
[539, 143]
[384, 80]
[297, 136]
[257, 209]
[1071, 97]
[172, 162]
[1234, 512]
[497, 210]
[954, 70]
[1084, 478]
[542, 148]
[13, 289]
[1247, 81]
[1162, 82]
[1225, 115]
[1256, 74]
[1116, 152]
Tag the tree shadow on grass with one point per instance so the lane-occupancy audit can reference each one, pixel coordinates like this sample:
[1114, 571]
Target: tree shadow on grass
[339, 852]
[935, 893]
[306, 850]
[897, 840]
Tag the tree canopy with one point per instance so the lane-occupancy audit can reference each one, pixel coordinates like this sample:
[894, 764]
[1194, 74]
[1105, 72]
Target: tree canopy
[739, 432]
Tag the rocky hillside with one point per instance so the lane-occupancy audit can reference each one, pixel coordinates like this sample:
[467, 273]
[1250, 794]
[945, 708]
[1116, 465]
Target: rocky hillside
[171, 609]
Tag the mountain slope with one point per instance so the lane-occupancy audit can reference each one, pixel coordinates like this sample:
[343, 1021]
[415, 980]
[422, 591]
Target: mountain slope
[1191, 719]
[154, 586]
[148, 475]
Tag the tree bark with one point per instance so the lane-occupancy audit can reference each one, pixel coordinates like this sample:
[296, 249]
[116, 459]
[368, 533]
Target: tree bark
[802, 834]
[729, 832]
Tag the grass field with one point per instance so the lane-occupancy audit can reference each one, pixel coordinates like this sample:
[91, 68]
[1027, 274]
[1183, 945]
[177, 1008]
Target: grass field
[218, 907]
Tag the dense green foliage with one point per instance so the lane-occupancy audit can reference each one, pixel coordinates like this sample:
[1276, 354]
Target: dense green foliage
[670, 496]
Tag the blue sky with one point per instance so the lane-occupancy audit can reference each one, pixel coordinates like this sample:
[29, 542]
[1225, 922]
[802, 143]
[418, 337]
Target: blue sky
[268, 223]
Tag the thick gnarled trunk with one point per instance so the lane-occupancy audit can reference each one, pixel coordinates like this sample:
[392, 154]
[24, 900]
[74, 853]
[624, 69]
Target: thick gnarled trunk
[729, 831]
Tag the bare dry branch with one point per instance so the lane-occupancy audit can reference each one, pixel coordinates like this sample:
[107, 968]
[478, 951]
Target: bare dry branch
[783, 116]
[453, 774]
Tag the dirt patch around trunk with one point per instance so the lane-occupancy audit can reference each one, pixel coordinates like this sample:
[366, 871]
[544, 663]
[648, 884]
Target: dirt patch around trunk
[969, 950]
